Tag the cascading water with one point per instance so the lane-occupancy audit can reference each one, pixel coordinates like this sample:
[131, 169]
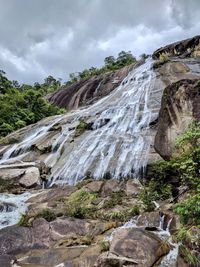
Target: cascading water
[119, 140]
[11, 208]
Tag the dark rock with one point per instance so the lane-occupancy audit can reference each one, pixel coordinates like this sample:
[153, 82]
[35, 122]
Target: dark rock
[182, 48]
[180, 106]
[86, 92]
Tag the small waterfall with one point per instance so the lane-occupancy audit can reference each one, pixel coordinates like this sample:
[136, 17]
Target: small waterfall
[21, 148]
[12, 207]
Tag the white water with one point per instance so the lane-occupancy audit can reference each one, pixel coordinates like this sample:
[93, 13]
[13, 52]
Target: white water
[22, 147]
[18, 206]
[120, 140]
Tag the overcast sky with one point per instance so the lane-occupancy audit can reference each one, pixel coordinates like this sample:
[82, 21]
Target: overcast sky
[56, 37]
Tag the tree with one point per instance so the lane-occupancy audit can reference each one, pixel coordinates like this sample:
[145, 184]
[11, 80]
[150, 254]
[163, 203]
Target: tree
[5, 84]
[110, 60]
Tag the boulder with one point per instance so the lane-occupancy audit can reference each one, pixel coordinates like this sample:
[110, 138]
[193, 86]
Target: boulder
[184, 48]
[133, 188]
[9, 174]
[15, 240]
[31, 178]
[111, 186]
[68, 227]
[140, 246]
[94, 186]
[179, 107]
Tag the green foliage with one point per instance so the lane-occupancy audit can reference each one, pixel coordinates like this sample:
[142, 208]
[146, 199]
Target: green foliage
[104, 246]
[123, 215]
[22, 105]
[115, 199]
[189, 209]
[47, 214]
[25, 221]
[153, 191]
[80, 204]
[111, 63]
[191, 136]
[189, 257]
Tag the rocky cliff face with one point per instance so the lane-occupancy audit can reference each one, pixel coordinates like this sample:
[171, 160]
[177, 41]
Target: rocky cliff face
[88, 91]
[185, 48]
[179, 107]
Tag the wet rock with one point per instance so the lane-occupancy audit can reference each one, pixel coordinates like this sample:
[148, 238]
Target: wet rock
[31, 178]
[41, 233]
[67, 257]
[149, 219]
[7, 260]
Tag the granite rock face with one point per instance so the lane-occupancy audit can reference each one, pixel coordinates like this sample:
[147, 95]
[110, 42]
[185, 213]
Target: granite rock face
[185, 48]
[180, 106]
[89, 91]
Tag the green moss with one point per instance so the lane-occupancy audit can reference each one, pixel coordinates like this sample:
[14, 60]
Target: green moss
[6, 185]
[104, 246]
[80, 128]
[47, 214]
[25, 221]
[115, 199]
[80, 204]
[122, 215]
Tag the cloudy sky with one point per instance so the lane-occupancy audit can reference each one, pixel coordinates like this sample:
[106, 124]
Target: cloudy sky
[56, 37]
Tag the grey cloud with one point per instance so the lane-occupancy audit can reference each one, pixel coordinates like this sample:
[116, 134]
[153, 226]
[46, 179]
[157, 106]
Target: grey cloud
[57, 37]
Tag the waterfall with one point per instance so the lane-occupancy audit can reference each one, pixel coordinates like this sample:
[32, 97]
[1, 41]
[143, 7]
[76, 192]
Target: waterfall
[121, 136]
[119, 141]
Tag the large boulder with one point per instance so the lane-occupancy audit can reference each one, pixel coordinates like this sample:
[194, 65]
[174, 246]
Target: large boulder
[179, 107]
[184, 48]
[31, 178]
[133, 246]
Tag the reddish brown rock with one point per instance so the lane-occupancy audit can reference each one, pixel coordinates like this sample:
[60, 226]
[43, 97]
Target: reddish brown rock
[89, 91]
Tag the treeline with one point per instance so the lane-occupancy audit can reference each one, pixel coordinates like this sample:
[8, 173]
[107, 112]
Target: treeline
[21, 105]
[110, 63]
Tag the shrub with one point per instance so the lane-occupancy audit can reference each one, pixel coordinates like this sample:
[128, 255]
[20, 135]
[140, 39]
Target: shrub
[47, 214]
[189, 209]
[154, 191]
[80, 204]
[25, 221]
[104, 246]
